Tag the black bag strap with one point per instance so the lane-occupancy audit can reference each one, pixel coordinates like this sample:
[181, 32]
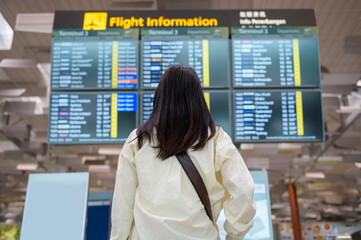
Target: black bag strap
[196, 181]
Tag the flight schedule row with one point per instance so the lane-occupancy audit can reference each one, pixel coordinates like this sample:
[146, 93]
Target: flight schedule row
[247, 116]
[253, 58]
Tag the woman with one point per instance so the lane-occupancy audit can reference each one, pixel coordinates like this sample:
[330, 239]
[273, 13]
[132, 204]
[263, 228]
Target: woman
[153, 197]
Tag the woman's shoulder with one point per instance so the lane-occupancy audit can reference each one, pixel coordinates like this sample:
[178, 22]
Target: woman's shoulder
[221, 134]
[131, 140]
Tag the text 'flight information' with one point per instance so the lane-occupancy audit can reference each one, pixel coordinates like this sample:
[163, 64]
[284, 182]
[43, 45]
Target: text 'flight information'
[96, 117]
[94, 59]
[275, 57]
[206, 50]
[217, 102]
[278, 115]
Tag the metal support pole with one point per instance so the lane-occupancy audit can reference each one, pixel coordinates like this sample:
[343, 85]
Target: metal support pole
[296, 225]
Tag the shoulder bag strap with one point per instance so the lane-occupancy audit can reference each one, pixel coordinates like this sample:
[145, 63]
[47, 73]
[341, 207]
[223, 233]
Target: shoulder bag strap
[196, 181]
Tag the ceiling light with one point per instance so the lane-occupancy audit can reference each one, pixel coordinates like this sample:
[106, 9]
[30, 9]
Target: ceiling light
[278, 205]
[330, 159]
[18, 63]
[343, 237]
[247, 146]
[109, 151]
[289, 146]
[99, 168]
[311, 215]
[349, 109]
[27, 166]
[93, 159]
[315, 175]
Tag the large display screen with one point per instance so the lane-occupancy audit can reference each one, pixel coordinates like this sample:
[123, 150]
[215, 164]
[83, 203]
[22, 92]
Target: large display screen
[91, 117]
[94, 59]
[217, 102]
[206, 50]
[278, 115]
[275, 57]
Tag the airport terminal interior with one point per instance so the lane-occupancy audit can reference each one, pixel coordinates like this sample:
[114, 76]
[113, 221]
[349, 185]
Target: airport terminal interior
[317, 149]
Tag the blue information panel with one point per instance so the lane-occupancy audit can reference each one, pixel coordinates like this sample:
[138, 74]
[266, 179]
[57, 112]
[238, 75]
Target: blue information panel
[55, 206]
[262, 226]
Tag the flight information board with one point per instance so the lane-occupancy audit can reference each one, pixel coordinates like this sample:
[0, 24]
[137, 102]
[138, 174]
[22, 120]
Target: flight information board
[91, 117]
[217, 102]
[275, 57]
[206, 50]
[94, 59]
[260, 73]
[278, 115]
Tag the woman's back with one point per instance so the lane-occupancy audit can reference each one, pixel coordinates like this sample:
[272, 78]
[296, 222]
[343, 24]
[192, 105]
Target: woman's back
[166, 206]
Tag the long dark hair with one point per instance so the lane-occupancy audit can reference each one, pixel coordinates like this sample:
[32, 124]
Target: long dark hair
[180, 115]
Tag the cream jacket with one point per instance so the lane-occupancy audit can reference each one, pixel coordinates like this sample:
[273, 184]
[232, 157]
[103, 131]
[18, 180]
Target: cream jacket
[155, 200]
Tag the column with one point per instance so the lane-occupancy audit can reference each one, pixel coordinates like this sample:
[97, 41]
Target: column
[299, 113]
[114, 116]
[115, 65]
[205, 63]
[296, 62]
